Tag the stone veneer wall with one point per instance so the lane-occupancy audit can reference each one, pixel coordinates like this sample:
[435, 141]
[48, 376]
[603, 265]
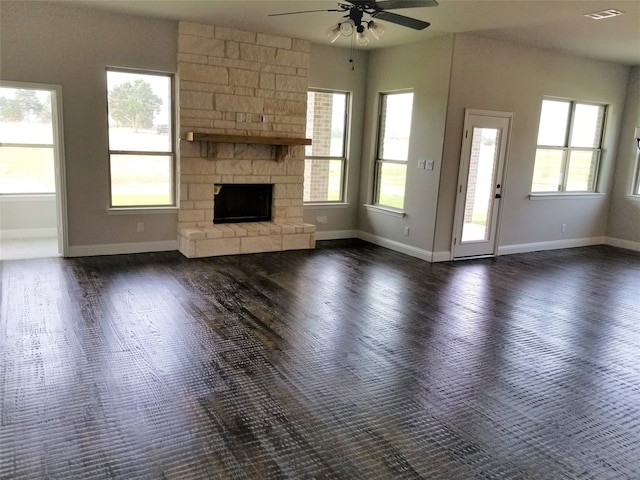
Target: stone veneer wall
[241, 83]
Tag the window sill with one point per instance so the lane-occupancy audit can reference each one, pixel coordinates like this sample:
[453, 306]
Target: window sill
[140, 210]
[634, 198]
[27, 197]
[385, 210]
[313, 205]
[564, 196]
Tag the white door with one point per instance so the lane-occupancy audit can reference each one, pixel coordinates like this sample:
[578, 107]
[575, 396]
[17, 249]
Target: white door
[480, 183]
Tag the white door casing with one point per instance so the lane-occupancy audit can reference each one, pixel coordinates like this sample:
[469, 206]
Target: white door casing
[58, 154]
[480, 183]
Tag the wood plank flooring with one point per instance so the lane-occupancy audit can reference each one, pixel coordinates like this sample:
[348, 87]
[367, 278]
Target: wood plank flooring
[347, 362]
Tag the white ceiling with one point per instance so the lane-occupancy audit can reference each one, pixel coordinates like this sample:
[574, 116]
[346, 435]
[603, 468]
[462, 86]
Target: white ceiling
[552, 24]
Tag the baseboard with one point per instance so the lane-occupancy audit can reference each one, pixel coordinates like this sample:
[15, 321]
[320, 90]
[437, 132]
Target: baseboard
[626, 244]
[336, 235]
[121, 248]
[170, 245]
[396, 246]
[29, 233]
[550, 245]
[384, 242]
[441, 256]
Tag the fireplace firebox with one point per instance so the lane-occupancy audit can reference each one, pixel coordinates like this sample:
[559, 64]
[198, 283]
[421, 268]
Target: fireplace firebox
[239, 202]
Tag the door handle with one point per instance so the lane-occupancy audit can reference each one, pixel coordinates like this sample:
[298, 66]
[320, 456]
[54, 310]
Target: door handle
[498, 195]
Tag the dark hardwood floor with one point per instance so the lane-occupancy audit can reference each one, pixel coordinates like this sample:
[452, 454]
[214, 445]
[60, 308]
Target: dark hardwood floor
[350, 362]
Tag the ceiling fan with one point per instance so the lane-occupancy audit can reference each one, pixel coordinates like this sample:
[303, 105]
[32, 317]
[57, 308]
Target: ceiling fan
[354, 11]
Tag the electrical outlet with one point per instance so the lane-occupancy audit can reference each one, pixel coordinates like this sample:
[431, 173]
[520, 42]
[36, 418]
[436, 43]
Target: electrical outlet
[321, 219]
[563, 228]
[406, 231]
[140, 227]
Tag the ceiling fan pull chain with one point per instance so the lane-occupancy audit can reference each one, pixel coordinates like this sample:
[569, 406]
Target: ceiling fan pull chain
[351, 60]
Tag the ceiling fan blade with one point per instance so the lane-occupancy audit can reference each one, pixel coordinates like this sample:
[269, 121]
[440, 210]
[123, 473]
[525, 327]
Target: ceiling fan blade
[401, 20]
[395, 4]
[304, 11]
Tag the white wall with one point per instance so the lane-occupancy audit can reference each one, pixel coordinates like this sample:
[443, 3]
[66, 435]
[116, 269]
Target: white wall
[492, 75]
[423, 67]
[28, 216]
[624, 213]
[71, 46]
[66, 45]
[330, 69]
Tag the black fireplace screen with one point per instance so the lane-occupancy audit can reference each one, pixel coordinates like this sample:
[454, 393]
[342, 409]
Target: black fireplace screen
[235, 203]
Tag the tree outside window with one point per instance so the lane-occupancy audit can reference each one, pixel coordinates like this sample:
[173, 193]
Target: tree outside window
[134, 104]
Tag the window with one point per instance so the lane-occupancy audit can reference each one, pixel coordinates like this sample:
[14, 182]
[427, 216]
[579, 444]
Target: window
[27, 164]
[569, 146]
[141, 146]
[325, 160]
[393, 149]
[636, 184]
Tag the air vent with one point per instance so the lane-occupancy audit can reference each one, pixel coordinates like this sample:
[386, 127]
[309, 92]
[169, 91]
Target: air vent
[604, 14]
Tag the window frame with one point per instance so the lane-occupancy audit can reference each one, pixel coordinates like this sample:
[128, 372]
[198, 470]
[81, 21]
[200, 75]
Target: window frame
[567, 149]
[53, 147]
[345, 147]
[635, 186]
[379, 161]
[171, 152]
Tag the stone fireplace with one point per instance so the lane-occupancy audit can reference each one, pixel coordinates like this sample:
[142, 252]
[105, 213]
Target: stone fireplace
[242, 114]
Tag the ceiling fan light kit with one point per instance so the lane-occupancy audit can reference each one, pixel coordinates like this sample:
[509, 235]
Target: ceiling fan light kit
[361, 38]
[376, 30]
[334, 33]
[346, 28]
[355, 10]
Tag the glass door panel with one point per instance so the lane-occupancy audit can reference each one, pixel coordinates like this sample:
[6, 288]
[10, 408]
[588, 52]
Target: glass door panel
[480, 184]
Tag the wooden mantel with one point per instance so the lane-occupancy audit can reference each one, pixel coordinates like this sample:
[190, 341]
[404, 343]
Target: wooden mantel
[281, 144]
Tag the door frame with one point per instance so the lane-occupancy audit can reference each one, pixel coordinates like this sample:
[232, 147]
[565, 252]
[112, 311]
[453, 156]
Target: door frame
[58, 157]
[462, 178]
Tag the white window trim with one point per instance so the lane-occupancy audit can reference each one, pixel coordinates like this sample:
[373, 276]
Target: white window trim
[635, 185]
[378, 162]
[383, 209]
[26, 197]
[564, 196]
[567, 149]
[140, 210]
[148, 209]
[319, 205]
[345, 149]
